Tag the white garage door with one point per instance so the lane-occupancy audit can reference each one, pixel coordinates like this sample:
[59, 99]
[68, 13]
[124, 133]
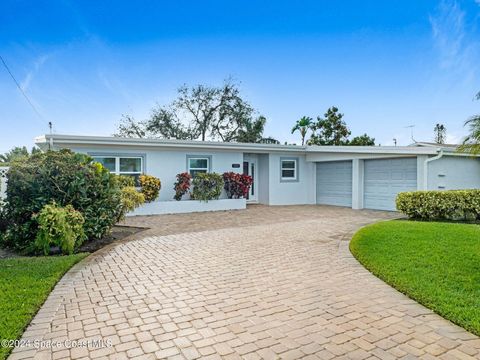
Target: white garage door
[334, 183]
[385, 178]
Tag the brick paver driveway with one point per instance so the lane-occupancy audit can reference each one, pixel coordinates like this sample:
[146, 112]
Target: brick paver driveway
[268, 282]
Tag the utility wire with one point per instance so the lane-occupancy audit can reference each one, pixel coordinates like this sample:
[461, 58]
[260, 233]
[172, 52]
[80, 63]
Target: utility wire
[21, 90]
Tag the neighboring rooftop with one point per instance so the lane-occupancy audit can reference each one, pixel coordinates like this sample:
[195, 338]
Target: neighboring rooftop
[432, 144]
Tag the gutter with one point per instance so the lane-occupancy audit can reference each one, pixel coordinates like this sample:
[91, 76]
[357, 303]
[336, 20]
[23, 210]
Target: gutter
[425, 167]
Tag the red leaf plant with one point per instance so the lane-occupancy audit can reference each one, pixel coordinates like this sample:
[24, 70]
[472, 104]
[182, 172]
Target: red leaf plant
[237, 185]
[182, 185]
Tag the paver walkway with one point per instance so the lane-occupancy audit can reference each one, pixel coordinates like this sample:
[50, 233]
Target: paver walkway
[268, 282]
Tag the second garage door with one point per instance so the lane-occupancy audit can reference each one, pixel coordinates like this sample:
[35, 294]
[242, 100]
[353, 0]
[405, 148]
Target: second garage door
[385, 178]
[334, 183]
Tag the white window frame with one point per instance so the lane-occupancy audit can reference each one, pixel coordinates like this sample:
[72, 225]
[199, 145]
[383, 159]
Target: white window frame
[295, 169]
[199, 157]
[117, 164]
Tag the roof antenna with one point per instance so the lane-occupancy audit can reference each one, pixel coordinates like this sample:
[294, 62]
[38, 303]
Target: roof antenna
[411, 131]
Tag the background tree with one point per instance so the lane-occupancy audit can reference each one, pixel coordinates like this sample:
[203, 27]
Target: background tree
[362, 140]
[302, 126]
[330, 130]
[17, 153]
[269, 140]
[130, 128]
[440, 132]
[252, 130]
[200, 112]
[471, 143]
[166, 124]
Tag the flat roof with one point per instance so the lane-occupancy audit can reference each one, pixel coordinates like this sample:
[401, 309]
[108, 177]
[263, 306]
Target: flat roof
[82, 140]
[103, 141]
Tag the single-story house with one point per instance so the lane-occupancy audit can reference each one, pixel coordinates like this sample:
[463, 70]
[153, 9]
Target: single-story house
[354, 176]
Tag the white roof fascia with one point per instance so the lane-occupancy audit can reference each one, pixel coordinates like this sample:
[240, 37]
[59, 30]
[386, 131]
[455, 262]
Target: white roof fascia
[85, 141]
[74, 140]
[402, 150]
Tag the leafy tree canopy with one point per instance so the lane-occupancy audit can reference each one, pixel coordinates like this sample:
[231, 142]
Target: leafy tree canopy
[330, 130]
[362, 140]
[17, 153]
[200, 112]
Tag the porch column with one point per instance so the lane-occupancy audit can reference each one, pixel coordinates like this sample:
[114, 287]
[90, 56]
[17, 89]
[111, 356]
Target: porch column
[357, 183]
[422, 182]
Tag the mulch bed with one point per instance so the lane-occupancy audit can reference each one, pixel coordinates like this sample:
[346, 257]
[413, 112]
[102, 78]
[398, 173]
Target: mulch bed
[118, 233]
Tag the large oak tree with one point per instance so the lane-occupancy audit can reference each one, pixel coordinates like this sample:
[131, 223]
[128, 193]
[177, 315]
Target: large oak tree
[200, 112]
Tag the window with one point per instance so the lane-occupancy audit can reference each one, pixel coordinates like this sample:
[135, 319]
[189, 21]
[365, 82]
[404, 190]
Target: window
[198, 165]
[122, 165]
[288, 169]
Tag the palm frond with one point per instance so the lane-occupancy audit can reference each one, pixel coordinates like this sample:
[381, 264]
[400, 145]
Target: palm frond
[471, 143]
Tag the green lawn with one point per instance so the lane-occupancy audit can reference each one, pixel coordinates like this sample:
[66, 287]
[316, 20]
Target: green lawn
[24, 286]
[437, 264]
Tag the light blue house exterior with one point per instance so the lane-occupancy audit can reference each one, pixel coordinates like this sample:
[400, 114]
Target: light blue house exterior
[353, 176]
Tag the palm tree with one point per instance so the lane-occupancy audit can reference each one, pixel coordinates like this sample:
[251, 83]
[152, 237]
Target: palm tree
[471, 144]
[302, 126]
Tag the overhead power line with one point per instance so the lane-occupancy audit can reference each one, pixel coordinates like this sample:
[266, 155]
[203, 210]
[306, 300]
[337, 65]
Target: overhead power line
[21, 90]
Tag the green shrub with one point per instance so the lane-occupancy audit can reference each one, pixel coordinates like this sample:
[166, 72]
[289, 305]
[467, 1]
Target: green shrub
[65, 178]
[131, 199]
[438, 205]
[125, 181]
[150, 187]
[59, 226]
[207, 186]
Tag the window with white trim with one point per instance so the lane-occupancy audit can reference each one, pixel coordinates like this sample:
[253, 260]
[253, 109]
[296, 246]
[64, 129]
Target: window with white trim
[288, 169]
[198, 165]
[122, 165]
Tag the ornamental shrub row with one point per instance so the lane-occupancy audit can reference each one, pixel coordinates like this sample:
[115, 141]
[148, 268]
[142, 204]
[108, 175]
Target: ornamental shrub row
[207, 186]
[440, 205]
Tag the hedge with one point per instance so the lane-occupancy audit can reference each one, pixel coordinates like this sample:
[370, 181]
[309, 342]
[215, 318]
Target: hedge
[440, 205]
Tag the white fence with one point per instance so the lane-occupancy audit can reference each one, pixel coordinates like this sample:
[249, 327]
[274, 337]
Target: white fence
[3, 181]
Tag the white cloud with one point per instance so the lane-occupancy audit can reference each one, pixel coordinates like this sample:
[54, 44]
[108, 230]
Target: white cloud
[37, 64]
[455, 40]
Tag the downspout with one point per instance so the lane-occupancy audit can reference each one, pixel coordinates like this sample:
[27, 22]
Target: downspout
[425, 168]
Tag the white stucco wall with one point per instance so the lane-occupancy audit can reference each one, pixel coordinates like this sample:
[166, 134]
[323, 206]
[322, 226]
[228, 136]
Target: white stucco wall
[166, 164]
[263, 179]
[295, 192]
[454, 172]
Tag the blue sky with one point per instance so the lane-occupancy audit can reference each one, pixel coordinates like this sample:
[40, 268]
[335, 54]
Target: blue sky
[385, 64]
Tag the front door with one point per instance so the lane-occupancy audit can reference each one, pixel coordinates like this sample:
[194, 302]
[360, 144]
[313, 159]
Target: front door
[250, 168]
